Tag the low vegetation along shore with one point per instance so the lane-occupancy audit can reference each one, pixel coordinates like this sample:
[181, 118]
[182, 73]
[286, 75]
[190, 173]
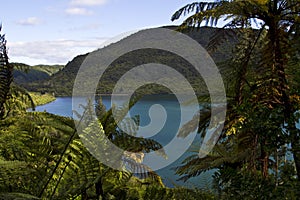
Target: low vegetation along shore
[41, 99]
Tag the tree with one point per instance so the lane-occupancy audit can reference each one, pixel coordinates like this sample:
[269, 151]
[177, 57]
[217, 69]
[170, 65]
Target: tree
[5, 74]
[261, 118]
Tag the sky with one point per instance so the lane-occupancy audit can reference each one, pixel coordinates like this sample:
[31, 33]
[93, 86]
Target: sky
[55, 31]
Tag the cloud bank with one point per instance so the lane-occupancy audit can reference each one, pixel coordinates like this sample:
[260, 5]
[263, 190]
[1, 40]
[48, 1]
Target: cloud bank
[51, 52]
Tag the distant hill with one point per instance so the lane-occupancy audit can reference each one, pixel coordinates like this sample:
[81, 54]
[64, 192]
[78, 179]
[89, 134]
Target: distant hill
[61, 83]
[26, 74]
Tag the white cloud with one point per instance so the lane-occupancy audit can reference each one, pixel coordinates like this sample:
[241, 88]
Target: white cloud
[78, 11]
[51, 52]
[30, 21]
[88, 2]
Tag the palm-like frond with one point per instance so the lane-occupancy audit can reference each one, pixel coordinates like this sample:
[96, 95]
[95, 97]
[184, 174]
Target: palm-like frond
[197, 7]
[36, 140]
[87, 171]
[211, 13]
[6, 75]
[258, 73]
[227, 152]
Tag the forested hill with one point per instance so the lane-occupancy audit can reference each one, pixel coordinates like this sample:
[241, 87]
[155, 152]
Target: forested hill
[25, 74]
[61, 83]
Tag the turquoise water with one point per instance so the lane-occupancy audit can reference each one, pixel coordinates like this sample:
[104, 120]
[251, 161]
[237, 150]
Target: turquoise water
[63, 106]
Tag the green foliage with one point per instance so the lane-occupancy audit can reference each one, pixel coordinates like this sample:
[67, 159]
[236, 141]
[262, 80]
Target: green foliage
[233, 184]
[41, 155]
[79, 167]
[35, 140]
[41, 99]
[263, 102]
[5, 75]
[177, 193]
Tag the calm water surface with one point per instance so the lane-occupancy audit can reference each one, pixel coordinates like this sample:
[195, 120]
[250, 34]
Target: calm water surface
[63, 106]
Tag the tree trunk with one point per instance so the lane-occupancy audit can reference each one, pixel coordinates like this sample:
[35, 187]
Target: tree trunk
[254, 154]
[283, 88]
[99, 190]
[264, 160]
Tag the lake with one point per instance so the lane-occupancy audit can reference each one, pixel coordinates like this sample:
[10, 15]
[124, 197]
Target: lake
[63, 106]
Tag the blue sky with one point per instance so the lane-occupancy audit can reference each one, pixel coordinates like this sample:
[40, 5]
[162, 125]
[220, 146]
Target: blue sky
[54, 31]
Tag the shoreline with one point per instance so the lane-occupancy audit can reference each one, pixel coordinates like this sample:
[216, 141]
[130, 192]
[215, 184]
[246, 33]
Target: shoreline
[41, 99]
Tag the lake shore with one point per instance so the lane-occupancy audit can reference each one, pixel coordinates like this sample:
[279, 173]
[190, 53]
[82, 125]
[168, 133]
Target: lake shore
[41, 99]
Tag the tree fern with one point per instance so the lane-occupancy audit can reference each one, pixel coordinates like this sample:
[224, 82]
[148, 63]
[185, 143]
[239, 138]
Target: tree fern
[5, 74]
[261, 104]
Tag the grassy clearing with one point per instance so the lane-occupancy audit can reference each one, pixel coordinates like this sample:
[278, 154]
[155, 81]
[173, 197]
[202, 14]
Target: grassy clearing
[41, 99]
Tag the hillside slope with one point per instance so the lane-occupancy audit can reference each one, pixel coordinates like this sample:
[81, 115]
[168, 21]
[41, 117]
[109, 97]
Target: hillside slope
[26, 74]
[61, 83]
